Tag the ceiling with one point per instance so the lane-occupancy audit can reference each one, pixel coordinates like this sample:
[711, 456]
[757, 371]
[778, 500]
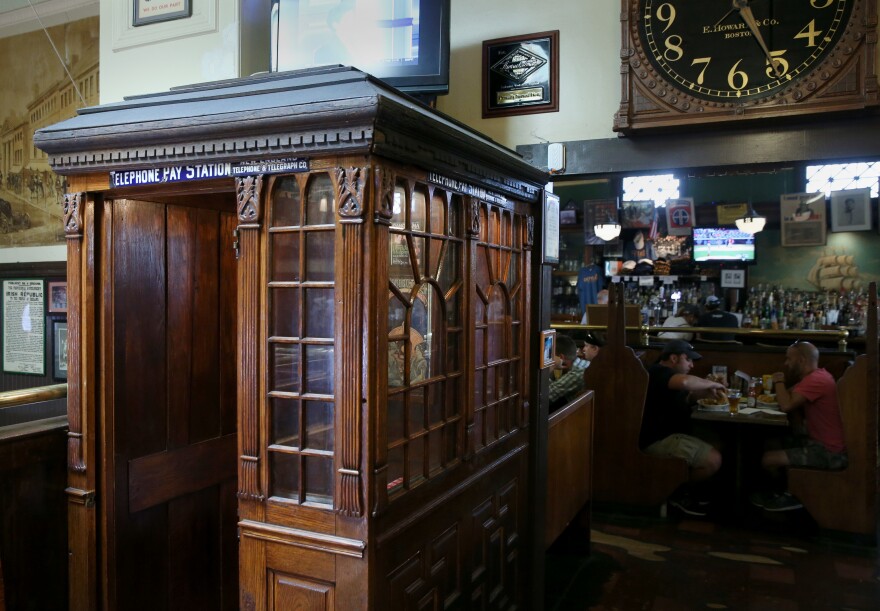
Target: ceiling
[17, 16]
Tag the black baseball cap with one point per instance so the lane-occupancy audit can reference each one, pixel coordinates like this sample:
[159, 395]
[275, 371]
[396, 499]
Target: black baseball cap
[679, 346]
[594, 339]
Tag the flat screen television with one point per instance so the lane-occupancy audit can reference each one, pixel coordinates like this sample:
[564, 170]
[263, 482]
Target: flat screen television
[721, 244]
[403, 42]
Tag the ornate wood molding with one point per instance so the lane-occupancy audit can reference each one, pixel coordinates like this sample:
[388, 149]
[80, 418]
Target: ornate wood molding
[473, 228]
[71, 205]
[384, 184]
[249, 190]
[349, 295]
[350, 186]
[530, 232]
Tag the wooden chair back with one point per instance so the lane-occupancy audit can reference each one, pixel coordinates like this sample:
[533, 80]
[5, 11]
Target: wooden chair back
[622, 473]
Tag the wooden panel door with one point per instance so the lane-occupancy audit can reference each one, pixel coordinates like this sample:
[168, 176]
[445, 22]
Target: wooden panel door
[169, 410]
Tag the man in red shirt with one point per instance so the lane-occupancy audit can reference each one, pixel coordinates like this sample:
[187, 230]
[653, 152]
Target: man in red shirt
[812, 397]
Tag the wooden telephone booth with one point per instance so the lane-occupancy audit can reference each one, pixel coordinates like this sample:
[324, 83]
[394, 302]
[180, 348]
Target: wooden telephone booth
[303, 369]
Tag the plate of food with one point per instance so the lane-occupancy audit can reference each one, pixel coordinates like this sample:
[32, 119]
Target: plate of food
[767, 400]
[713, 405]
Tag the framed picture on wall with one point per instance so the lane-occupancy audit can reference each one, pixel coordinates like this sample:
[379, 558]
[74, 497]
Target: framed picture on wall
[548, 348]
[851, 210]
[551, 227]
[733, 278]
[521, 75]
[57, 297]
[24, 332]
[802, 217]
[599, 212]
[147, 11]
[637, 215]
[59, 349]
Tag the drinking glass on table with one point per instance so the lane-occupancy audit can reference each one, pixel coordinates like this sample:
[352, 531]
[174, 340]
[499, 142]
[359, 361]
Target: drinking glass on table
[733, 397]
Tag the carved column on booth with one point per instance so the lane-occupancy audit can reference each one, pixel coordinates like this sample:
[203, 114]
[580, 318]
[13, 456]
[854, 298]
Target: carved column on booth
[350, 189]
[383, 183]
[526, 327]
[250, 218]
[472, 232]
[81, 404]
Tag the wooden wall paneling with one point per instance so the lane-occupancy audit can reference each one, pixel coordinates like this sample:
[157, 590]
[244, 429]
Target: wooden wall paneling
[83, 376]
[303, 595]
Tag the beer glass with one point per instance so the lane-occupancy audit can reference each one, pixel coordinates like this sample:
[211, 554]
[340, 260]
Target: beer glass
[733, 397]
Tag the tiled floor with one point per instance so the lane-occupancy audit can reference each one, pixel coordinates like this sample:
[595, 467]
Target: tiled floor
[775, 563]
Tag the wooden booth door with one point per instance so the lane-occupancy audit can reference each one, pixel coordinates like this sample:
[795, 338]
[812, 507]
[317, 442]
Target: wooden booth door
[169, 413]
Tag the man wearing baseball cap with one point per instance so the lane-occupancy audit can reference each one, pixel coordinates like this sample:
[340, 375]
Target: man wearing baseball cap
[666, 423]
[714, 316]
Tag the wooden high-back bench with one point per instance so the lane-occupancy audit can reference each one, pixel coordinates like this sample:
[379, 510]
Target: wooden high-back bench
[622, 473]
[847, 500]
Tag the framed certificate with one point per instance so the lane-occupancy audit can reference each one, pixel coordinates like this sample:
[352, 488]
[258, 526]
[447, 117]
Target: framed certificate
[521, 75]
[154, 11]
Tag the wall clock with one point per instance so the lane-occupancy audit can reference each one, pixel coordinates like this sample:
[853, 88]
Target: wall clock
[715, 61]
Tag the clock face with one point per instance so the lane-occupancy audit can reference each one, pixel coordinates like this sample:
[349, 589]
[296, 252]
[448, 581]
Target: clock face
[712, 49]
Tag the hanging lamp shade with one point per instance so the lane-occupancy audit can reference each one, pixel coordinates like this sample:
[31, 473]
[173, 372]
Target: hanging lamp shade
[751, 222]
[610, 229]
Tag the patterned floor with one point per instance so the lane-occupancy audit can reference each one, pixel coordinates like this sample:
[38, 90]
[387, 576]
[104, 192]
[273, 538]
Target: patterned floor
[663, 565]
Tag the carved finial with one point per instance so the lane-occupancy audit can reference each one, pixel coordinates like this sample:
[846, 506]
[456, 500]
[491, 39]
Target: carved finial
[385, 187]
[248, 189]
[474, 227]
[72, 213]
[351, 183]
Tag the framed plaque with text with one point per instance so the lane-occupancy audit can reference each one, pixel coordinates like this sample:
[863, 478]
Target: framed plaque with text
[154, 11]
[521, 75]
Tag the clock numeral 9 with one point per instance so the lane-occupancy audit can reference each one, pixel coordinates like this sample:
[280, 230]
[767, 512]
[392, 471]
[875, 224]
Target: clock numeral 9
[815, 3]
[735, 74]
[673, 51]
[666, 14]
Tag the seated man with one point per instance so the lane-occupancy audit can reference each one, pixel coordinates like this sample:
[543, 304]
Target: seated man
[666, 424]
[588, 347]
[687, 316]
[814, 397]
[714, 316]
[568, 385]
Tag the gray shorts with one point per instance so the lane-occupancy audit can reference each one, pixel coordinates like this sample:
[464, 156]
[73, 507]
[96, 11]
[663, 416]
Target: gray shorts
[688, 447]
[804, 452]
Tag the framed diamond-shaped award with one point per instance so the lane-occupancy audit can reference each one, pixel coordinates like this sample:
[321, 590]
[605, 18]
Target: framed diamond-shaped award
[521, 75]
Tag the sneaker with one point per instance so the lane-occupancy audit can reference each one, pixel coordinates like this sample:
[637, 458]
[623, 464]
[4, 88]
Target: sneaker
[760, 499]
[783, 502]
[688, 505]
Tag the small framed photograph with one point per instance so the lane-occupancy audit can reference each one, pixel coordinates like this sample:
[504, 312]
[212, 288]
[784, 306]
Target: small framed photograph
[851, 210]
[568, 217]
[548, 348]
[521, 75]
[59, 349]
[733, 278]
[637, 215]
[803, 219]
[58, 297]
[599, 212]
[154, 11]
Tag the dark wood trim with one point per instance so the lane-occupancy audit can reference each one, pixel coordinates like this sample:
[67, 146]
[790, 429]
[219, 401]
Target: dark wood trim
[769, 144]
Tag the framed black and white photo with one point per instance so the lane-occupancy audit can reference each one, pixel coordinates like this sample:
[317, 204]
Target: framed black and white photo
[802, 219]
[59, 349]
[548, 348]
[154, 11]
[733, 278]
[24, 335]
[57, 297]
[851, 210]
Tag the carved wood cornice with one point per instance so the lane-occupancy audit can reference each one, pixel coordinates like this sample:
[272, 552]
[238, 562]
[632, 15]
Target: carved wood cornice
[71, 206]
[249, 192]
[350, 186]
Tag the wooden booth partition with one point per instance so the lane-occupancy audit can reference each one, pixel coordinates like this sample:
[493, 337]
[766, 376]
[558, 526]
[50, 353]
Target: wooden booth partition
[307, 300]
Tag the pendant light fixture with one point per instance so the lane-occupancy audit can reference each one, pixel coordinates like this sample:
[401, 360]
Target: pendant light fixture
[751, 222]
[608, 230]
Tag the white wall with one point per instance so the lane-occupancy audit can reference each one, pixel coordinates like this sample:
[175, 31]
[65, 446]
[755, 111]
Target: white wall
[223, 39]
[589, 66]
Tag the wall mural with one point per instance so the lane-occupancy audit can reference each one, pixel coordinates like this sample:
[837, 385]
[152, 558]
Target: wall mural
[37, 92]
[849, 260]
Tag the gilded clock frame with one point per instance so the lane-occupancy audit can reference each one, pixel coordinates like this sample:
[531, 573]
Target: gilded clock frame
[844, 80]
